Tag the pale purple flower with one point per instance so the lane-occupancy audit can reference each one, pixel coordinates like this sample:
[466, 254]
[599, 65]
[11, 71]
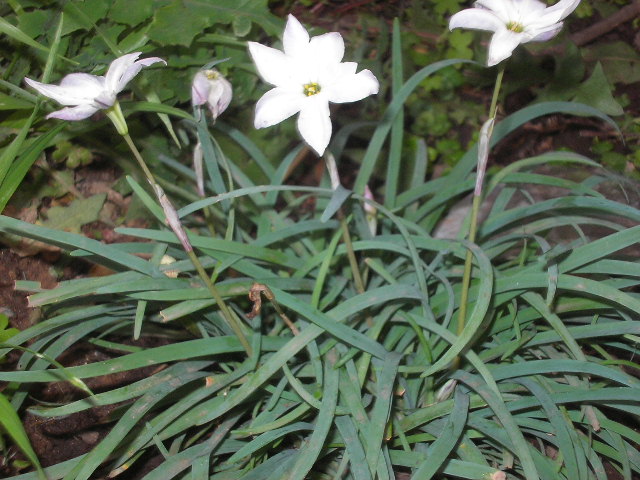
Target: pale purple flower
[513, 22]
[211, 88]
[306, 76]
[85, 94]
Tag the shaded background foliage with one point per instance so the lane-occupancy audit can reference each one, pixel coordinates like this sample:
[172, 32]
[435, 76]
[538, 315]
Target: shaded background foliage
[563, 359]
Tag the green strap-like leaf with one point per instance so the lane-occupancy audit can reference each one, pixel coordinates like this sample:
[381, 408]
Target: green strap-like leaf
[11, 424]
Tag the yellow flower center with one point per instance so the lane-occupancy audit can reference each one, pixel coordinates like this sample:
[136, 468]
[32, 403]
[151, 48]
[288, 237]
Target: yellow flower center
[310, 89]
[211, 74]
[515, 27]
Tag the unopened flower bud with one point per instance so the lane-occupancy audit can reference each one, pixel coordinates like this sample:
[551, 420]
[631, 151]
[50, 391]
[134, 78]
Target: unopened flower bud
[172, 218]
[198, 168]
[211, 88]
[370, 211]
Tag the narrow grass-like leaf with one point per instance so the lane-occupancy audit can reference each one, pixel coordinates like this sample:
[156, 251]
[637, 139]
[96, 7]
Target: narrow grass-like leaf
[76, 288]
[17, 34]
[454, 468]
[179, 462]
[109, 255]
[382, 409]
[397, 130]
[11, 424]
[483, 296]
[85, 469]
[599, 248]
[268, 438]
[568, 442]
[340, 195]
[205, 413]
[153, 356]
[556, 323]
[394, 108]
[497, 405]
[339, 330]
[309, 453]
[59, 373]
[517, 215]
[125, 393]
[251, 251]
[354, 448]
[17, 167]
[440, 450]
[249, 146]
[510, 123]
[544, 367]
[274, 467]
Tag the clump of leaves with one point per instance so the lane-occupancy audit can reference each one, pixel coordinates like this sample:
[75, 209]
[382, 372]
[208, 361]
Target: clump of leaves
[347, 380]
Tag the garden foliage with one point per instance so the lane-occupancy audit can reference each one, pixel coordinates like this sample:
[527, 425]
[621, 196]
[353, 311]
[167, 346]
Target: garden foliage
[356, 366]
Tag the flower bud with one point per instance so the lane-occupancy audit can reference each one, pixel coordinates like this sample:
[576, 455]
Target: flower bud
[198, 169]
[210, 87]
[370, 211]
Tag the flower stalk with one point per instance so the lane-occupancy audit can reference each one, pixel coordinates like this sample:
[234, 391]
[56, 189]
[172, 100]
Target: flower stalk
[483, 155]
[83, 94]
[332, 168]
[177, 227]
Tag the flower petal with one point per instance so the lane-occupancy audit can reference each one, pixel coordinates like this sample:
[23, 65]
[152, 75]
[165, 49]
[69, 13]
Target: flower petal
[502, 45]
[200, 89]
[219, 96]
[563, 8]
[546, 34]
[352, 88]
[476, 19]
[295, 39]
[326, 49]
[74, 113]
[273, 66]
[277, 105]
[74, 89]
[117, 70]
[503, 9]
[314, 123]
[124, 68]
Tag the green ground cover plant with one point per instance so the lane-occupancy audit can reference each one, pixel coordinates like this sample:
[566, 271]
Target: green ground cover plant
[291, 330]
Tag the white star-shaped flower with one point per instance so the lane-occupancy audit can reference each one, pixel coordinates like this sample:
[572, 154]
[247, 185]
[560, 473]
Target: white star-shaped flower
[513, 22]
[86, 94]
[307, 76]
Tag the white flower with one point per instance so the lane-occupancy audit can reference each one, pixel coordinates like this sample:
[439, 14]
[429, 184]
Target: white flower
[307, 76]
[90, 93]
[513, 22]
[210, 87]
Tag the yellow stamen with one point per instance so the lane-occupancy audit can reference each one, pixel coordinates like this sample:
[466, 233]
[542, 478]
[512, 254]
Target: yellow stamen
[311, 89]
[515, 27]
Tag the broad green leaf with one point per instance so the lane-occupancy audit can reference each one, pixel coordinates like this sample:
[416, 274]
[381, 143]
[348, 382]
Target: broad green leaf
[83, 14]
[196, 16]
[78, 213]
[597, 92]
[620, 61]
[131, 13]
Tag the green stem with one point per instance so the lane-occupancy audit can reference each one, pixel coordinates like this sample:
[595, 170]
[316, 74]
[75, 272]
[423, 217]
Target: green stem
[226, 313]
[332, 169]
[136, 153]
[351, 255]
[475, 209]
